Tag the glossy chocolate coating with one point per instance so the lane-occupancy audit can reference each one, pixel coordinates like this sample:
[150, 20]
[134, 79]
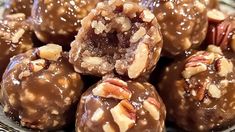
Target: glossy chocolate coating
[205, 100]
[40, 93]
[96, 112]
[18, 6]
[15, 38]
[183, 23]
[58, 21]
[117, 37]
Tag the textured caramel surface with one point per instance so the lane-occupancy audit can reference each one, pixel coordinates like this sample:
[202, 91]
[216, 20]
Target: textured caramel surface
[143, 119]
[40, 93]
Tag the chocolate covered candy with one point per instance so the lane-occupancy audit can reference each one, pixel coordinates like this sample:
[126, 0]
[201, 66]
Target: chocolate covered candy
[198, 91]
[115, 105]
[18, 6]
[117, 37]
[183, 23]
[15, 38]
[40, 89]
[58, 20]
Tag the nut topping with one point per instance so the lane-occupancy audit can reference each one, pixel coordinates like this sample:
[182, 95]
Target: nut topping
[98, 114]
[197, 64]
[112, 88]
[139, 63]
[124, 22]
[124, 114]
[108, 128]
[216, 15]
[50, 52]
[152, 106]
[223, 66]
[138, 35]
[147, 16]
[214, 91]
[37, 65]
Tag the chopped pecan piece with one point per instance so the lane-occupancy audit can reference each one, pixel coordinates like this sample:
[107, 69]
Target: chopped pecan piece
[50, 52]
[152, 106]
[37, 65]
[124, 114]
[140, 61]
[223, 66]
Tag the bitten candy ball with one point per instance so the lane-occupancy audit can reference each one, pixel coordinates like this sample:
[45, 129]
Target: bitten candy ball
[199, 90]
[40, 89]
[15, 38]
[58, 21]
[115, 105]
[117, 37]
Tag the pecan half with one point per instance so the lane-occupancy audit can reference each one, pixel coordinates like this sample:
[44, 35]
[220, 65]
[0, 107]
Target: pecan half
[124, 114]
[112, 88]
[152, 106]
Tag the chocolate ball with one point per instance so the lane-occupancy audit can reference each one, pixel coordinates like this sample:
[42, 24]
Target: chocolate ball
[18, 6]
[117, 37]
[199, 90]
[15, 38]
[57, 21]
[114, 105]
[40, 89]
[183, 23]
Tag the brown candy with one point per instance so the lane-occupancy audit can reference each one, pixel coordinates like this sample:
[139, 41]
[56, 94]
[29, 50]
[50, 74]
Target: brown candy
[198, 91]
[183, 23]
[117, 37]
[15, 38]
[40, 89]
[114, 105]
[18, 6]
[57, 21]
